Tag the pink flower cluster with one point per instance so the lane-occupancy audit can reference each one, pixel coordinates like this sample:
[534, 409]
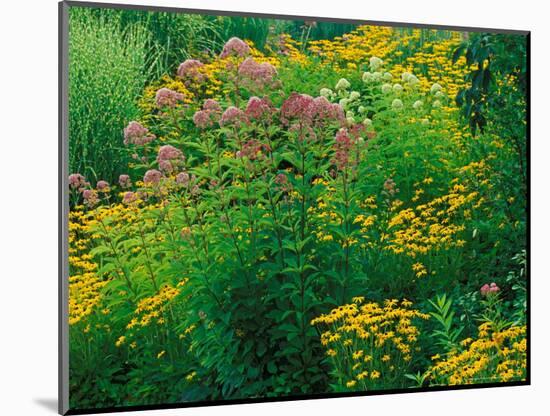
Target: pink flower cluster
[124, 181]
[326, 112]
[77, 182]
[233, 116]
[210, 114]
[190, 71]
[253, 149]
[259, 108]
[90, 197]
[212, 105]
[188, 181]
[182, 178]
[102, 186]
[152, 177]
[343, 145]
[129, 197]
[166, 97]
[297, 107]
[390, 187]
[256, 75]
[169, 158]
[281, 180]
[235, 47]
[489, 289]
[357, 130]
[136, 134]
[305, 110]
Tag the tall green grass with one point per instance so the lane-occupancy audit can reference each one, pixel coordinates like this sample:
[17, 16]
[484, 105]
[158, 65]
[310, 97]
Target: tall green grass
[108, 69]
[174, 37]
[320, 30]
[251, 28]
[259, 30]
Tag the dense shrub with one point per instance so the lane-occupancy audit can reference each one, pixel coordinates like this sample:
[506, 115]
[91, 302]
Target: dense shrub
[268, 242]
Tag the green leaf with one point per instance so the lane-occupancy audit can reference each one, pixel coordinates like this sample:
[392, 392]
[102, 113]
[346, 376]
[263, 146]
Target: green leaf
[271, 367]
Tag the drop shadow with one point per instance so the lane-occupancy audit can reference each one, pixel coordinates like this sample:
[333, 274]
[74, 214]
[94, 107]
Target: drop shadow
[49, 404]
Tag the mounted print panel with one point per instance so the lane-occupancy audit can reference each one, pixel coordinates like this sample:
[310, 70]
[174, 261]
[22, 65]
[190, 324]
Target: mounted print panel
[260, 208]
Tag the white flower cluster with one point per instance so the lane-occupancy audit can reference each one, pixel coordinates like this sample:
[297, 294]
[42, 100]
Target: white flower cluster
[327, 93]
[437, 91]
[409, 79]
[350, 101]
[397, 104]
[354, 95]
[372, 77]
[375, 63]
[386, 88]
[397, 88]
[342, 84]
[436, 88]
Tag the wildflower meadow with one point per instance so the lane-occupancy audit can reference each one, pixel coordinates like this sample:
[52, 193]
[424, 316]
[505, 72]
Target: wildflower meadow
[273, 208]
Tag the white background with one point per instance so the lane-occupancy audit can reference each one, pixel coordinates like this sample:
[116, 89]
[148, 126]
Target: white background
[28, 205]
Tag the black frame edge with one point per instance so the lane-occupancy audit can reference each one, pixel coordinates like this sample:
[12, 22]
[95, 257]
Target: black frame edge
[213, 403]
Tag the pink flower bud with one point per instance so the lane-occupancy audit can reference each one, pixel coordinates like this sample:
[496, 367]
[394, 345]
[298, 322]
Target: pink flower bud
[136, 134]
[190, 72]
[129, 197]
[235, 47]
[102, 186]
[484, 289]
[77, 181]
[124, 181]
[487, 289]
[152, 177]
[167, 98]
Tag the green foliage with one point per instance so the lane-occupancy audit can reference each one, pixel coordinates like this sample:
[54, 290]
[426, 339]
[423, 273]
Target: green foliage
[305, 31]
[205, 282]
[448, 336]
[419, 379]
[517, 280]
[254, 29]
[172, 37]
[498, 106]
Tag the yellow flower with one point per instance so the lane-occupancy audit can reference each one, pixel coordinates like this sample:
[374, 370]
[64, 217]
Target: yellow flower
[351, 383]
[358, 299]
[120, 341]
[362, 375]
